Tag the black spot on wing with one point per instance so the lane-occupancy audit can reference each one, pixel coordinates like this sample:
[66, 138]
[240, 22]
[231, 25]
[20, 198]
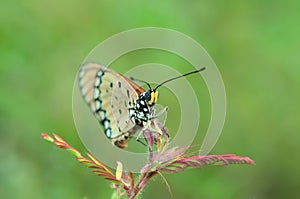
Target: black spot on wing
[128, 95]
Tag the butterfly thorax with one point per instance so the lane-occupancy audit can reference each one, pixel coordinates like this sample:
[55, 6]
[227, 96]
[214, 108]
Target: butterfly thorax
[142, 110]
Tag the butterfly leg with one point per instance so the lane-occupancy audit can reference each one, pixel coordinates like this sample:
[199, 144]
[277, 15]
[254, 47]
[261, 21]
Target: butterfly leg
[140, 141]
[140, 133]
[160, 113]
[150, 138]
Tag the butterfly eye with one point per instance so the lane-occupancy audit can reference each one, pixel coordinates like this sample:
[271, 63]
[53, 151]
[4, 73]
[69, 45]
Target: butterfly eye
[148, 95]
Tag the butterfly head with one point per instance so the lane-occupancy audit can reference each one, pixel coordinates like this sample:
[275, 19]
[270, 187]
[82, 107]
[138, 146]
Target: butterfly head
[151, 96]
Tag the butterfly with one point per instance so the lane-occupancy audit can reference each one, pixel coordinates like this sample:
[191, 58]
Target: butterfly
[120, 105]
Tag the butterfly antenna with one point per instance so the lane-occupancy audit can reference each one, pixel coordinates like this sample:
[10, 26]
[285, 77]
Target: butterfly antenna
[196, 71]
[139, 80]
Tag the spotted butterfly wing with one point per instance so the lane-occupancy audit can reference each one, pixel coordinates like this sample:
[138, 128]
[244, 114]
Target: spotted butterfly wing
[110, 96]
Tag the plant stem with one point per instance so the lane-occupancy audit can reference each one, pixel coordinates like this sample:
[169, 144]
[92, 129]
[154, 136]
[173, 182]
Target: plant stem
[133, 193]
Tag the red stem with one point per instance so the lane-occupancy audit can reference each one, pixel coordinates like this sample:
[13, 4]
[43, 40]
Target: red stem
[141, 184]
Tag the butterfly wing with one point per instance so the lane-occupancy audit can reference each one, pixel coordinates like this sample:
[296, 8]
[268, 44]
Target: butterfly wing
[109, 95]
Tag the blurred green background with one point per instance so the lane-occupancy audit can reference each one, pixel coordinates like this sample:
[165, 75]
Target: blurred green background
[254, 43]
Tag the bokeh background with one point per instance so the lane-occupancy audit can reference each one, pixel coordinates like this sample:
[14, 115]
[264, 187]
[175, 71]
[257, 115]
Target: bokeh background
[254, 43]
